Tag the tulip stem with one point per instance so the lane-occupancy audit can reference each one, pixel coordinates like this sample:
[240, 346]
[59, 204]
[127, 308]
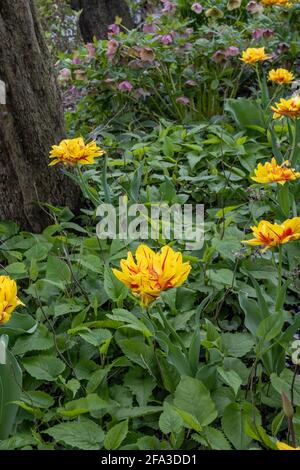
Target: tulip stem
[84, 187]
[170, 328]
[294, 145]
[280, 256]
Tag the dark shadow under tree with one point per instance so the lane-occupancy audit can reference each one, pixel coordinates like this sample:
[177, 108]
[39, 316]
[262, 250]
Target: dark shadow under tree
[30, 122]
[96, 15]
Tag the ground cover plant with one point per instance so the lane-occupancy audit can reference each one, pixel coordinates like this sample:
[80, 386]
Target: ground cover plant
[151, 344]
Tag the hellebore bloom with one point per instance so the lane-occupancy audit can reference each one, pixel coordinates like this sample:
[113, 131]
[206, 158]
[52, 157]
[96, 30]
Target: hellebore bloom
[113, 29]
[125, 86]
[183, 100]
[149, 28]
[233, 4]
[147, 54]
[112, 47]
[64, 75]
[168, 6]
[262, 32]
[197, 8]
[218, 56]
[254, 7]
[166, 39]
[231, 51]
[191, 83]
[91, 50]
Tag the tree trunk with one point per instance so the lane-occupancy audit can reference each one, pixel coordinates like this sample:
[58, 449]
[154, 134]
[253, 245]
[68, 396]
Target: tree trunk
[98, 14]
[30, 122]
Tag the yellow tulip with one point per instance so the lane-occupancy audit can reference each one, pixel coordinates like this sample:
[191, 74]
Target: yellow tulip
[8, 298]
[289, 108]
[75, 151]
[271, 172]
[283, 446]
[254, 54]
[280, 76]
[270, 235]
[278, 3]
[151, 273]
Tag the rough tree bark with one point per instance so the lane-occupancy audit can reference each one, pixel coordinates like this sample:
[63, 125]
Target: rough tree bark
[96, 15]
[30, 122]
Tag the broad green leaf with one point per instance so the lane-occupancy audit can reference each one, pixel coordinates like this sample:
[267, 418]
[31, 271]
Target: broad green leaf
[114, 288]
[216, 439]
[170, 421]
[86, 435]
[230, 378]
[43, 367]
[192, 396]
[236, 344]
[116, 436]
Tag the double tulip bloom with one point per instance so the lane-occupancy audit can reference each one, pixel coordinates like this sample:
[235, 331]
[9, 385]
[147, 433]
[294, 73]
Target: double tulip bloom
[280, 76]
[279, 3]
[289, 108]
[269, 235]
[75, 151]
[151, 273]
[252, 55]
[8, 298]
[271, 172]
[283, 446]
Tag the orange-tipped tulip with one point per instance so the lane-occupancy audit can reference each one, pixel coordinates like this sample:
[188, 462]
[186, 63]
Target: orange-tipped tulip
[269, 235]
[151, 273]
[289, 108]
[271, 172]
[8, 298]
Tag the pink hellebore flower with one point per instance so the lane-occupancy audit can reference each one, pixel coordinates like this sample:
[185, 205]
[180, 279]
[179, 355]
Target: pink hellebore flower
[283, 47]
[146, 54]
[141, 93]
[80, 75]
[149, 28]
[191, 83]
[168, 6]
[76, 60]
[197, 8]
[113, 29]
[112, 47]
[189, 31]
[166, 39]
[218, 56]
[254, 7]
[183, 100]
[64, 75]
[125, 86]
[262, 32]
[91, 50]
[231, 51]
